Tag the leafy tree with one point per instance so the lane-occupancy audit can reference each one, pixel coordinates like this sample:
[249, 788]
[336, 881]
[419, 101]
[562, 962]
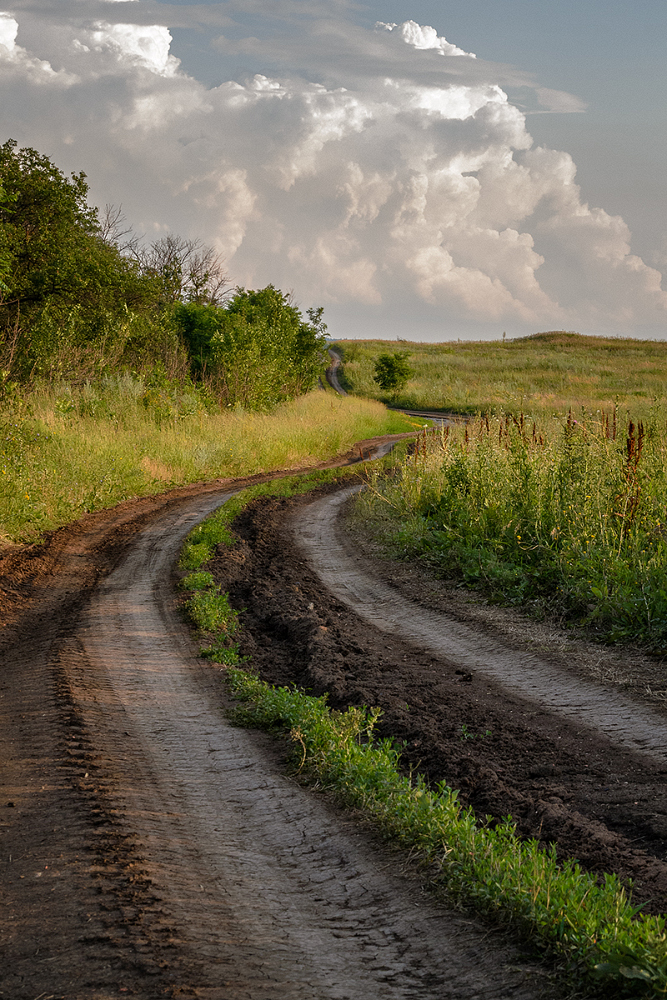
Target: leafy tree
[65, 288]
[5, 253]
[257, 350]
[392, 371]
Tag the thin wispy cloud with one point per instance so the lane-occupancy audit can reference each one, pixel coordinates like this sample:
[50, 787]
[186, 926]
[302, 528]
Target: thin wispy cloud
[382, 170]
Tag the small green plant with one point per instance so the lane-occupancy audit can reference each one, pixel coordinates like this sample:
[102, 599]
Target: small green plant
[466, 733]
[198, 581]
[194, 554]
[222, 652]
[211, 611]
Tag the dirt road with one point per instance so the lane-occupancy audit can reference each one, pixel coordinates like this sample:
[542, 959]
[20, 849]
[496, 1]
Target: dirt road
[150, 849]
[566, 736]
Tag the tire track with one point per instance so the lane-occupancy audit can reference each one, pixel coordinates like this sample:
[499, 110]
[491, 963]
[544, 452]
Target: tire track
[234, 882]
[622, 721]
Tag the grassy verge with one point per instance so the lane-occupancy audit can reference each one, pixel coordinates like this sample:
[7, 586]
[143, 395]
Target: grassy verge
[64, 452]
[583, 919]
[207, 608]
[566, 518]
[545, 373]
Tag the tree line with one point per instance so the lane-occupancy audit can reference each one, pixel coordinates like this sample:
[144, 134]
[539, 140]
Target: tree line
[81, 297]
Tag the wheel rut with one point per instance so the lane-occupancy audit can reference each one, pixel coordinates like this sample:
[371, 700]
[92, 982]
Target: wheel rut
[590, 706]
[156, 850]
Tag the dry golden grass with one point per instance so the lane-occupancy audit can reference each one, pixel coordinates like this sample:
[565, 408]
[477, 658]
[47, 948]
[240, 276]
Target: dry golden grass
[56, 464]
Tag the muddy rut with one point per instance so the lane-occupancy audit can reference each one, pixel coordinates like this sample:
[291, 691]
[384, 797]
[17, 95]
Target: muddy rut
[590, 706]
[148, 847]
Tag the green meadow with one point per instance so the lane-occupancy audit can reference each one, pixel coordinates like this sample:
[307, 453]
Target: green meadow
[544, 373]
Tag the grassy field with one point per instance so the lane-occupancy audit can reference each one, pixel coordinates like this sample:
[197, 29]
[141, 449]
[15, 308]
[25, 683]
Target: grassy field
[65, 452]
[542, 373]
[565, 516]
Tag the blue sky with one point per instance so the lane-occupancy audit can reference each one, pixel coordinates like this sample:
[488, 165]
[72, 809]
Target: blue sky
[377, 169]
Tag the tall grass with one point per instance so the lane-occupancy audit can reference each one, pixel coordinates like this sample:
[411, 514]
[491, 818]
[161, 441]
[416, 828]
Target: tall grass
[569, 516]
[65, 451]
[544, 373]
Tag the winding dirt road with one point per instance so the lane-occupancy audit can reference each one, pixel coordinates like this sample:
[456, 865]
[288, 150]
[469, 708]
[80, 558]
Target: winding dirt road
[590, 706]
[148, 847]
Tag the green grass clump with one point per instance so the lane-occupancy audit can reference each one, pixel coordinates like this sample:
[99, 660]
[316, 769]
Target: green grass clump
[65, 451]
[210, 611]
[588, 921]
[197, 581]
[544, 373]
[202, 541]
[568, 517]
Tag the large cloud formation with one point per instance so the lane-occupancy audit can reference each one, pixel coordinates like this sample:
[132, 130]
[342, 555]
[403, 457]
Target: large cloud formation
[383, 173]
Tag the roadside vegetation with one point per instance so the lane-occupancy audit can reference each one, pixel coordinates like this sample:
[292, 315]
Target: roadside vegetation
[67, 450]
[564, 516]
[127, 367]
[83, 297]
[553, 496]
[585, 921]
[543, 374]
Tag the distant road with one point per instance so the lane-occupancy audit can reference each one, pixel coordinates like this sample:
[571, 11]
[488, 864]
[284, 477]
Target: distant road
[332, 373]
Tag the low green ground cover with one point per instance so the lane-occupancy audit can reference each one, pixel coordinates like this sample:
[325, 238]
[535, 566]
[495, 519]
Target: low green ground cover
[586, 920]
[568, 517]
[544, 373]
[68, 450]
[207, 609]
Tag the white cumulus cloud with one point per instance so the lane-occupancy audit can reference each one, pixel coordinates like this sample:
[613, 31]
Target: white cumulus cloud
[390, 177]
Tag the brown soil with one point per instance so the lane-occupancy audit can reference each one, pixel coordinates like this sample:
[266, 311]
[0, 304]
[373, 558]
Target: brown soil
[561, 781]
[150, 849]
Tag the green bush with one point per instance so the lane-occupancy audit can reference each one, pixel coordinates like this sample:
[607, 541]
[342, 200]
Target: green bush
[255, 351]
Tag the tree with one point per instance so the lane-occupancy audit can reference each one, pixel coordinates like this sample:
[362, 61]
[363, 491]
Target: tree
[392, 371]
[183, 270]
[256, 351]
[65, 288]
[5, 253]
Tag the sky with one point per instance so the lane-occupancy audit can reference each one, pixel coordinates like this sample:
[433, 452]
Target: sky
[424, 170]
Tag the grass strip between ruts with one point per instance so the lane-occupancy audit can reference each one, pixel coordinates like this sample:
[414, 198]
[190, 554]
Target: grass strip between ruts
[588, 921]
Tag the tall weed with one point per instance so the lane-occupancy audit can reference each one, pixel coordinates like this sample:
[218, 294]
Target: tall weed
[569, 516]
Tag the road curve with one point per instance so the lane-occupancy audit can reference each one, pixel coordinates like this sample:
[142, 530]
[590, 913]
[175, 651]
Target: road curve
[590, 706]
[437, 417]
[237, 883]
